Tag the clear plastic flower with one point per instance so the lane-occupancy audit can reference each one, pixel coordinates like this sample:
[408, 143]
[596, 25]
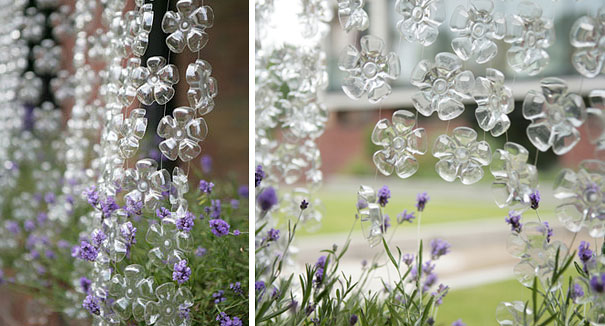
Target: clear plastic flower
[587, 36]
[477, 29]
[139, 27]
[180, 186]
[370, 214]
[515, 179]
[203, 87]
[400, 142]
[132, 292]
[132, 131]
[352, 16]
[443, 86]
[514, 314]
[169, 244]
[421, 20]
[145, 183]
[529, 35]
[537, 254]
[63, 86]
[30, 88]
[461, 156]
[167, 310]
[315, 16]
[303, 116]
[188, 25]
[62, 23]
[494, 101]
[122, 86]
[47, 118]
[555, 115]
[582, 198]
[311, 216]
[155, 81]
[32, 27]
[595, 121]
[368, 70]
[47, 57]
[182, 134]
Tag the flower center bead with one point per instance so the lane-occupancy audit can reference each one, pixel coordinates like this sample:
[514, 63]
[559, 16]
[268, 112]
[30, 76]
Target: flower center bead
[556, 115]
[461, 154]
[143, 186]
[370, 69]
[478, 30]
[592, 196]
[179, 134]
[166, 243]
[417, 14]
[154, 79]
[129, 292]
[168, 311]
[439, 86]
[185, 25]
[398, 143]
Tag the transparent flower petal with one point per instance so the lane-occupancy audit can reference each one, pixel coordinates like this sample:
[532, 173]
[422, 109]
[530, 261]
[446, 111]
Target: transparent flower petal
[447, 169]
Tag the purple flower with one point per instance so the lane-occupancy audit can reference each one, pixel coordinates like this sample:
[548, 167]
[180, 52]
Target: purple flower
[75, 251]
[353, 320]
[259, 175]
[272, 235]
[29, 225]
[162, 213]
[597, 283]
[88, 251]
[206, 187]
[91, 303]
[62, 244]
[133, 207]
[383, 196]
[234, 203]
[49, 198]
[215, 210]
[129, 233]
[514, 219]
[408, 259]
[259, 286]
[584, 253]
[534, 197]
[181, 272]
[200, 252]
[275, 292]
[219, 227]
[185, 223]
[458, 323]
[319, 272]
[184, 311]
[109, 206]
[386, 224]
[236, 287]
[206, 161]
[576, 292]
[85, 284]
[267, 199]
[98, 236]
[92, 196]
[50, 254]
[548, 231]
[12, 227]
[439, 248]
[219, 296]
[42, 218]
[405, 217]
[429, 281]
[304, 204]
[421, 200]
[440, 294]
[225, 320]
[236, 232]
[243, 191]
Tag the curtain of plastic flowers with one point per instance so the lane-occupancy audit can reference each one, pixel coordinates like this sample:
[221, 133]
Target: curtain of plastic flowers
[290, 76]
[71, 196]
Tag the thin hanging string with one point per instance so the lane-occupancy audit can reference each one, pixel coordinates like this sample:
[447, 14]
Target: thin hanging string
[536, 158]
[506, 134]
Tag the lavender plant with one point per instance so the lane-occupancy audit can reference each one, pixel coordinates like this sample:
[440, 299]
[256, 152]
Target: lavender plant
[325, 295]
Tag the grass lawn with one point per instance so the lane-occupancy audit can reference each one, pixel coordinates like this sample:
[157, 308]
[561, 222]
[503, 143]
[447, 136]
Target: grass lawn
[340, 211]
